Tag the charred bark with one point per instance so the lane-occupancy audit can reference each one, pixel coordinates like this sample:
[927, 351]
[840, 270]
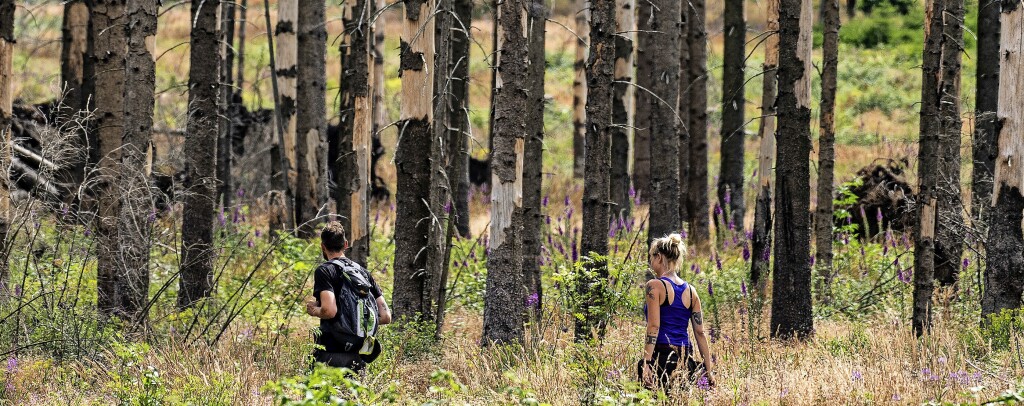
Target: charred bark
[791, 309]
[730, 179]
[310, 117]
[202, 131]
[949, 222]
[826, 149]
[986, 97]
[659, 75]
[459, 114]
[579, 88]
[761, 244]
[533, 157]
[697, 183]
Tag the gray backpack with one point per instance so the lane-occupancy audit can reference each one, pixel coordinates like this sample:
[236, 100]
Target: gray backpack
[356, 323]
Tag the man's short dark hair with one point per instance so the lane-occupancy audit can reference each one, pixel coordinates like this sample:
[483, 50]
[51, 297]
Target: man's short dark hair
[333, 236]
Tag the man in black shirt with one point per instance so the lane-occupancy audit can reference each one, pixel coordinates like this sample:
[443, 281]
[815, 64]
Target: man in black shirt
[327, 282]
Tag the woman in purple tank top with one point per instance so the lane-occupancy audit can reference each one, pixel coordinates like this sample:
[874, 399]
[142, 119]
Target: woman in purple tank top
[671, 306]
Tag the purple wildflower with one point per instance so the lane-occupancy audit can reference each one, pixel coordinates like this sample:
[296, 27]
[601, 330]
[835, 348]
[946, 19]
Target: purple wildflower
[241, 192]
[544, 201]
[632, 191]
[703, 383]
[711, 290]
[575, 251]
[857, 376]
[743, 288]
[718, 262]
[221, 219]
[259, 233]
[448, 207]
[728, 196]
[746, 253]
[718, 210]
[17, 290]
[567, 200]
[251, 244]
[532, 300]
[810, 260]
[766, 254]
[611, 231]
[152, 216]
[12, 364]
[967, 263]
[697, 270]
[878, 216]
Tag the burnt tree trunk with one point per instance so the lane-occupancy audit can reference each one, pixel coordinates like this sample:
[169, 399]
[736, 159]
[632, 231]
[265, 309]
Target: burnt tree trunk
[504, 304]
[412, 163]
[730, 179]
[596, 180]
[73, 57]
[362, 131]
[108, 30]
[579, 88]
[6, 114]
[286, 72]
[792, 315]
[310, 117]
[339, 145]
[682, 109]
[949, 221]
[927, 169]
[227, 91]
[986, 97]
[697, 118]
[622, 108]
[459, 113]
[200, 155]
[826, 149]
[761, 244]
[533, 156]
[1004, 278]
[645, 67]
[440, 196]
[659, 75]
[136, 200]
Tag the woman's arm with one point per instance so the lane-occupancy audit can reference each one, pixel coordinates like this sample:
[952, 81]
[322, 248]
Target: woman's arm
[697, 321]
[655, 294]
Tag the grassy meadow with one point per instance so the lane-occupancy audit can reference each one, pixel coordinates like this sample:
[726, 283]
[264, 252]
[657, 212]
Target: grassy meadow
[248, 344]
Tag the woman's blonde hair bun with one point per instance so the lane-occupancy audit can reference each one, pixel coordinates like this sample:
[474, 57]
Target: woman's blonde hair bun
[671, 246]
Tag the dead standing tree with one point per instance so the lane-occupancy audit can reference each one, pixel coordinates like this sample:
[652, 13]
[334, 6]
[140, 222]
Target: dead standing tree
[792, 315]
[697, 182]
[949, 222]
[6, 115]
[504, 304]
[986, 136]
[310, 116]
[533, 158]
[826, 149]
[579, 87]
[762, 235]
[200, 150]
[622, 108]
[1004, 278]
[413, 297]
[730, 180]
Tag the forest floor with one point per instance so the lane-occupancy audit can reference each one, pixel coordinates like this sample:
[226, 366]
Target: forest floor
[254, 331]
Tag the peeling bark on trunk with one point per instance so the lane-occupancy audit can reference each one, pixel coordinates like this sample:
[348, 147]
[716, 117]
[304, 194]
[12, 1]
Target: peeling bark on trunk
[504, 304]
[826, 149]
[1004, 278]
[136, 205]
[201, 156]
[579, 88]
[108, 25]
[224, 158]
[533, 156]
[792, 315]
[730, 179]
[413, 278]
[287, 72]
[459, 114]
[659, 74]
[281, 215]
[950, 222]
[622, 108]
[927, 169]
[361, 64]
[596, 210]
[986, 96]
[697, 182]
[761, 245]
[310, 117]
[6, 113]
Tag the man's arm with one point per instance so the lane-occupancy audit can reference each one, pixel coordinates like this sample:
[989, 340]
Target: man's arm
[384, 313]
[327, 309]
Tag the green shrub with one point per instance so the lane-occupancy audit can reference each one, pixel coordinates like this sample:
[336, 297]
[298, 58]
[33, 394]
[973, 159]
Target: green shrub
[328, 386]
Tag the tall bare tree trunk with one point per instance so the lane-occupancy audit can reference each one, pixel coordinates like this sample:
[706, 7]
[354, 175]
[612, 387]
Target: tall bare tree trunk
[287, 57]
[927, 169]
[361, 62]
[413, 278]
[1004, 278]
[282, 214]
[641, 108]
[243, 8]
[697, 182]
[310, 117]
[826, 149]
[622, 107]
[730, 179]
[949, 246]
[136, 206]
[6, 113]
[504, 304]
[108, 25]
[762, 237]
[683, 110]
[200, 150]
[986, 135]
[659, 75]
[579, 88]
[339, 146]
[596, 181]
[459, 113]
[533, 155]
[73, 57]
[227, 110]
[791, 292]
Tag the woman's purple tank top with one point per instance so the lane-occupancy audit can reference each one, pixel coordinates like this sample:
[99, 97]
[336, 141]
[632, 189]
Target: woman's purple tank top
[675, 318]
